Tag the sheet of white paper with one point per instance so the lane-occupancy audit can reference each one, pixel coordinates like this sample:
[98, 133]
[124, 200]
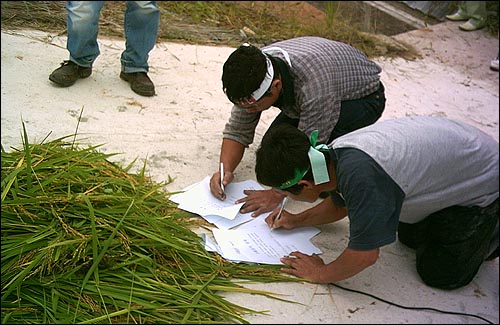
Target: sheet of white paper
[224, 214]
[262, 227]
[256, 245]
[179, 197]
[210, 245]
[223, 223]
[198, 199]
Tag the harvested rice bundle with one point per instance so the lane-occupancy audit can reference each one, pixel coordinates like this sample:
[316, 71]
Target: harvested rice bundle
[85, 241]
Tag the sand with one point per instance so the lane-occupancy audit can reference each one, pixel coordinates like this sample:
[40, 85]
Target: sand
[179, 132]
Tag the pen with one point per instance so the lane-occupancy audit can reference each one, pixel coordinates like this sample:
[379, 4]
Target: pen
[222, 176]
[278, 216]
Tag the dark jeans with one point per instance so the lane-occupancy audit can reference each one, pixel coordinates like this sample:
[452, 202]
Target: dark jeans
[354, 114]
[451, 244]
[358, 113]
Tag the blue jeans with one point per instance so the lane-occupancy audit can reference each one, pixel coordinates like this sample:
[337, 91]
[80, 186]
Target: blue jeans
[142, 19]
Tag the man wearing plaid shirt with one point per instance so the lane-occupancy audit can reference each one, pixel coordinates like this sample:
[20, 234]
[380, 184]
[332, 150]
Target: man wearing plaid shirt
[318, 84]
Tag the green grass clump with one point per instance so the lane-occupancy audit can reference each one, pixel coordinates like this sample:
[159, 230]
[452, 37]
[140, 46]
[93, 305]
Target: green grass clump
[211, 23]
[85, 241]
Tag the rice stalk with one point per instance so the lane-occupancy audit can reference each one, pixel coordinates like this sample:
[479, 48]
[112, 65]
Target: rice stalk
[85, 241]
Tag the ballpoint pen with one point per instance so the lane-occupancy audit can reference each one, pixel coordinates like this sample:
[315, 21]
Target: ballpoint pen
[278, 216]
[222, 176]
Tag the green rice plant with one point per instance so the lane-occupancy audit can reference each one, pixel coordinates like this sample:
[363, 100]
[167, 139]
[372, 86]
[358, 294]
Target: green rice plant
[86, 241]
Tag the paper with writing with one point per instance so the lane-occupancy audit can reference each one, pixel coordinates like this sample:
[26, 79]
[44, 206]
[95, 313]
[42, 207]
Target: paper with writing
[225, 214]
[256, 245]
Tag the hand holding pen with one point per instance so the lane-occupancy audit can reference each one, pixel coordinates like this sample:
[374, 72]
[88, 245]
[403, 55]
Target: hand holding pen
[278, 216]
[221, 180]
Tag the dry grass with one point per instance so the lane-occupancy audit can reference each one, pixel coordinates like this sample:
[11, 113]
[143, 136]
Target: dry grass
[212, 23]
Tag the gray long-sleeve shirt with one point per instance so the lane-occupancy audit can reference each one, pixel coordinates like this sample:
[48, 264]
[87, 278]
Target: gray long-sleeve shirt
[324, 73]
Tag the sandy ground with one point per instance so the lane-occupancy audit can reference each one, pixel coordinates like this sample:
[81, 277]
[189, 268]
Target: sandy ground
[178, 132]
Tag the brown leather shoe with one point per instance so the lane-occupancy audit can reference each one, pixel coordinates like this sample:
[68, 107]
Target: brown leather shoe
[139, 82]
[68, 73]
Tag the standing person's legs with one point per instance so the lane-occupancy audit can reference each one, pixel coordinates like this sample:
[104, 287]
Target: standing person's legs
[83, 27]
[358, 113]
[461, 13]
[476, 11]
[142, 19]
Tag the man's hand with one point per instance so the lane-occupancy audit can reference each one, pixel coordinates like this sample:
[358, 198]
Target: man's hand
[310, 267]
[215, 182]
[313, 268]
[287, 220]
[260, 201]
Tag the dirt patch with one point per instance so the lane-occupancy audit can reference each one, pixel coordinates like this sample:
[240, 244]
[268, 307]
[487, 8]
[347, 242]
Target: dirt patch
[215, 23]
[357, 14]
[366, 18]
[303, 12]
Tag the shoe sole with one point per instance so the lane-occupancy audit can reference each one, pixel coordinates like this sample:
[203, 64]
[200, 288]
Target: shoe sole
[145, 94]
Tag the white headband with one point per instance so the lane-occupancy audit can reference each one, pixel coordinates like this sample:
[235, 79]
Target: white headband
[265, 84]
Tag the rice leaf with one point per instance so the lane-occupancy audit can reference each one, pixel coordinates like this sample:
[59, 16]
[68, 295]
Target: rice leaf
[86, 241]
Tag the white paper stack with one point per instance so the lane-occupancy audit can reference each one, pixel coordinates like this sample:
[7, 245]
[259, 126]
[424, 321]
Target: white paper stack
[223, 214]
[240, 237]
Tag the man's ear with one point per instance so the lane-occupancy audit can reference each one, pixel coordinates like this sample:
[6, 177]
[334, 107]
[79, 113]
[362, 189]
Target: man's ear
[277, 83]
[307, 184]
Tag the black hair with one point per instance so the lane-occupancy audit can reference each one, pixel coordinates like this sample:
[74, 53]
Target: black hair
[243, 72]
[283, 150]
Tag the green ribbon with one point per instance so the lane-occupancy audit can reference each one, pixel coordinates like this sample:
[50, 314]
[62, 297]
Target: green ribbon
[318, 164]
[317, 159]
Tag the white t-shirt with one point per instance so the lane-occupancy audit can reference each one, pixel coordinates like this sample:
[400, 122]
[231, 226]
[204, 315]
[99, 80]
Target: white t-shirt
[437, 162]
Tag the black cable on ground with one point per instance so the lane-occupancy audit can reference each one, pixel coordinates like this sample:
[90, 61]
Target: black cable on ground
[412, 308]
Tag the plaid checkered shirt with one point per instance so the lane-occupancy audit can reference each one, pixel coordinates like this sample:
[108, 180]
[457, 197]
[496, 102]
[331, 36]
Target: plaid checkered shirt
[324, 73]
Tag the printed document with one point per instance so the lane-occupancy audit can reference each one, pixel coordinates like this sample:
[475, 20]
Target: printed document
[240, 237]
[198, 199]
[255, 242]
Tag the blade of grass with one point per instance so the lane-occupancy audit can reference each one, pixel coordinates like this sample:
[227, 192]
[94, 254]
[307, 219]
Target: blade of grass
[10, 179]
[27, 154]
[97, 258]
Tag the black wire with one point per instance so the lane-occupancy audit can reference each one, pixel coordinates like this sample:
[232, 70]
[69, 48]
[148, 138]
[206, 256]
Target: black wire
[413, 308]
